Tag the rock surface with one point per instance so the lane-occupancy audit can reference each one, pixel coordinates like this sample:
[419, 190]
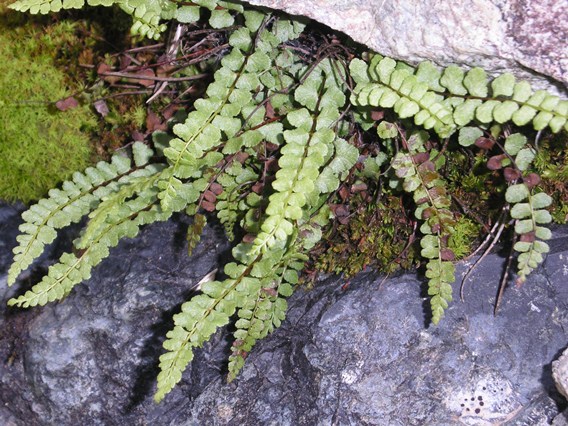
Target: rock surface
[360, 354]
[525, 37]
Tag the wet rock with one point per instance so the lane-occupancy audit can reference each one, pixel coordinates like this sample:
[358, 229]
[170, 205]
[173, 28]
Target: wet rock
[527, 38]
[360, 354]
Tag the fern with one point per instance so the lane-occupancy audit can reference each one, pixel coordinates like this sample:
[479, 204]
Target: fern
[527, 208]
[194, 232]
[445, 101]
[308, 144]
[113, 221]
[147, 15]
[417, 169]
[234, 200]
[264, 312]
[69, 204]
[267, 148]
[529, 214]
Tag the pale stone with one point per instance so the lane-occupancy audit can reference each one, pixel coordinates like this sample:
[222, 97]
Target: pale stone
[525, 37]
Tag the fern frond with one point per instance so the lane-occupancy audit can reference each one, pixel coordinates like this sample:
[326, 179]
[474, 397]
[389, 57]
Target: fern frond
[309, 143]
[419, 175]
[447, 100]
[216, 118]
[72, 269]
[529, 213]
[234, 181]
[199, 319]
[265, 311]
[65, 206]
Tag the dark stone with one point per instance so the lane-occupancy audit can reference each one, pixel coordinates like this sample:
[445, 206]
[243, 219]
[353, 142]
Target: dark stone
[361, 354]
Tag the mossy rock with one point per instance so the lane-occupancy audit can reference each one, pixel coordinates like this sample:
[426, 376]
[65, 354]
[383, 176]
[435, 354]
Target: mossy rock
[40, 146]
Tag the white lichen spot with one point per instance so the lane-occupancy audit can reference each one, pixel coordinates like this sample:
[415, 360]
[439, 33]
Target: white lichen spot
[348, 376]
[533, 307]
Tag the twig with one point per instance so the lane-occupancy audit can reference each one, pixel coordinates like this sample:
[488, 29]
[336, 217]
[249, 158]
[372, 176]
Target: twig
[153, 78]
[501, 225]
[503, 282]
[174, 46]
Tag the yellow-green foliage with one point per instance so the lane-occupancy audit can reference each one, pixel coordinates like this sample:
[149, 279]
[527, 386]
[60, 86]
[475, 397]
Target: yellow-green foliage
[40, 146]
[465, 233]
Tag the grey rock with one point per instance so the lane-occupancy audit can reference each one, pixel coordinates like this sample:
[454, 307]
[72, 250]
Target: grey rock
[525, 37]
[560, 373]
[361, 354]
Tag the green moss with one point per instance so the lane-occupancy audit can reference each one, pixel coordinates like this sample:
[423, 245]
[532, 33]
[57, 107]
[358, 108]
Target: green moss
[40, 146]
[376, 236]
[466, 232]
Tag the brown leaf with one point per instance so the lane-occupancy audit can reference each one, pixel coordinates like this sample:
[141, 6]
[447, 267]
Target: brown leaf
[496, 162]
[104, 68]
[422, 157]
[170, 110]
[511, 174]
[215, 188]
[529, 237]
[209, 196]
[207, 206]
[153, 122]
[241, 157]
[269, 111]
[341, 212]
[125, 61]
[531, 180]
[428, 212]
[447, 254]
[258, 187]
[249, 238]
[67, 103]
[484, 143]
[137, 136]
[358, 187]
[270, 291]
[101, 107]
[165, 70]
[142, 81]
[377, 115]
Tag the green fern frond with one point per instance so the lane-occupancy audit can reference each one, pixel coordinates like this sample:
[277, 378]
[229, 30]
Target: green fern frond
[265, 311]
[199, 319]
[530, 215]
[216, 118]
[65, 206]
[447, 100]
[72, 269]
[309, 143]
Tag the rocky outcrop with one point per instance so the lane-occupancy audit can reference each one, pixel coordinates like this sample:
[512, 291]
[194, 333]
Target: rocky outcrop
[349, 353]
[525, 37]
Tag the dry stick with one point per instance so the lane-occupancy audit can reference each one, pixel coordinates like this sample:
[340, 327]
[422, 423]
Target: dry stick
[495, 238]
[503, 282]
[171, 53]
[148, 77]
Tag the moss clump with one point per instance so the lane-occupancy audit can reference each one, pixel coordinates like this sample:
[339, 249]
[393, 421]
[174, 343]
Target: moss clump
[40, 146]
[377, 235]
